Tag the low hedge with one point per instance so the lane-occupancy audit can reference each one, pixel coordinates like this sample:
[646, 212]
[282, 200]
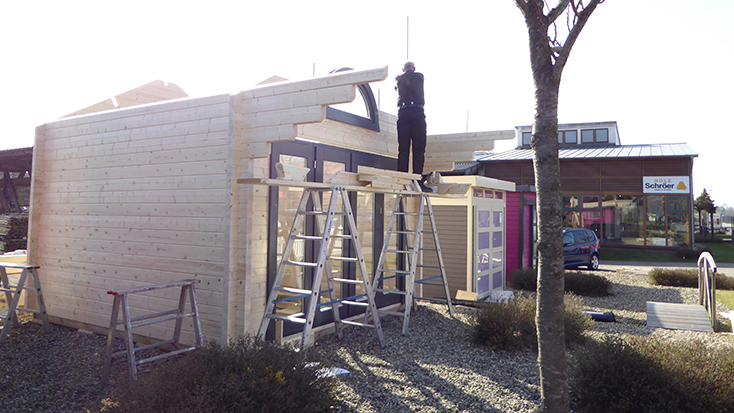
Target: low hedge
[576, 282]
[645, 374]
[681, 277]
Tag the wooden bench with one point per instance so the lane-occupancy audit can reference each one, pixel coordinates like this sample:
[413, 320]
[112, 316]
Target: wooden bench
[178, 314]
[13, 295]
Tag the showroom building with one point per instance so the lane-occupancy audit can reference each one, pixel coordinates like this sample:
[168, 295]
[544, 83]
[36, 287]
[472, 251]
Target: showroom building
[630, 195]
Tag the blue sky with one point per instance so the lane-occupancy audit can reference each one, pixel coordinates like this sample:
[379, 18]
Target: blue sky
[661, 70]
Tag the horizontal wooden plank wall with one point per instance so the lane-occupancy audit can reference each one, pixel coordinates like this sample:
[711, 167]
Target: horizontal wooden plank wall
[443, 150]
[452, 227]
[133, 197]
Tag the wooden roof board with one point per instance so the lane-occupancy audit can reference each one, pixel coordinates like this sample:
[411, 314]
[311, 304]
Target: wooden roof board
[155, 91]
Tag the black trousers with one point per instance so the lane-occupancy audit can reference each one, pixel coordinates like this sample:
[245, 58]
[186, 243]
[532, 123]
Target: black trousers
[411, 130]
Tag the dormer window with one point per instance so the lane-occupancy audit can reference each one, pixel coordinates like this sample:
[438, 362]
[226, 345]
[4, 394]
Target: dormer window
[526, 138]
[595, 136]
[567, 137]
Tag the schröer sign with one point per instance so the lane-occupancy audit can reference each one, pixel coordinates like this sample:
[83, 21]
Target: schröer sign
[666, 185]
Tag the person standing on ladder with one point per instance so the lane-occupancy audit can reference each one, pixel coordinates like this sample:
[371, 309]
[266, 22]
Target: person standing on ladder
[411, 121]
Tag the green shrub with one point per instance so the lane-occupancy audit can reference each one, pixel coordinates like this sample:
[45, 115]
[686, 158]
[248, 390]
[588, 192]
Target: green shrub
[576, 282]
[511, 325]
[677, 277]
[643, 374]
[589, 285]
[247, 376]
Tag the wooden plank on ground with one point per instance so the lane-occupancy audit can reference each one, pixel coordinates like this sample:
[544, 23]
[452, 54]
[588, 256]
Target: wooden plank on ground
[466, 295]
[678, 316]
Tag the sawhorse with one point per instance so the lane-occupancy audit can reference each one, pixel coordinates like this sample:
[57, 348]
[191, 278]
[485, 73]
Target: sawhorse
[12, 296]
[178, 314]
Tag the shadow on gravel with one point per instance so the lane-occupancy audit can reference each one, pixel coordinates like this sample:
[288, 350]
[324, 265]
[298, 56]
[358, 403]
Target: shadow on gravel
[436, 368]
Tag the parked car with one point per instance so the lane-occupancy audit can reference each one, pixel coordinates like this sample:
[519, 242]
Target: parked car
[581, 247]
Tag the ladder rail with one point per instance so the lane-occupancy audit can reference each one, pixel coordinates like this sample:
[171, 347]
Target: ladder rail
[363, 268]
[280, 274]
[440, 257]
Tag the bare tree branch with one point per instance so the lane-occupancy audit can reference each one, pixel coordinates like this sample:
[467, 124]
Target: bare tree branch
[553, 14]
[583, 16]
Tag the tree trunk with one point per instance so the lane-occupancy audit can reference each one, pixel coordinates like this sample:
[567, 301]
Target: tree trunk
[550, 308]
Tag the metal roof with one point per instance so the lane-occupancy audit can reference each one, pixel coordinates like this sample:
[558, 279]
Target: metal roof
[599, 151]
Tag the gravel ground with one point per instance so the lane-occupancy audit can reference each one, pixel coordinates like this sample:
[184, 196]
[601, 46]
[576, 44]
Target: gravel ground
[436, 368]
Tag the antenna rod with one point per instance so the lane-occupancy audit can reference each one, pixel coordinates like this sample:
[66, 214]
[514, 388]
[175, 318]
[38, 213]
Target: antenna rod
[407, 39]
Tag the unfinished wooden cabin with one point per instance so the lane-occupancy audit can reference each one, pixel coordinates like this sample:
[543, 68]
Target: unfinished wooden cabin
[148, 193]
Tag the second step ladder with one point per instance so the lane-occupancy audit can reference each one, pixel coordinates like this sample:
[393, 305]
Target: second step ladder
[401, 253]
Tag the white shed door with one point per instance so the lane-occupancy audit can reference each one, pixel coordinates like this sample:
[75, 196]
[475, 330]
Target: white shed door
[489, 248]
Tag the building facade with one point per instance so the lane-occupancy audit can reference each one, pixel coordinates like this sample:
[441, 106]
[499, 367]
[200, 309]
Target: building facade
[630, 195]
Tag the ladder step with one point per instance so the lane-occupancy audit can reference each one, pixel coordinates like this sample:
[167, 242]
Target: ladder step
[357, 303]
[291, 290]
[428, 249]
[308, 237]
[354, 323]
[338, 258]
[407, 213]
[384, 291]
[389, 270]
[302, 264]
[14, 288]
[346, 300]
[399, 251]
[428, 266]
[286, 318]
[402, 232]
[321, 213]
[347, 281]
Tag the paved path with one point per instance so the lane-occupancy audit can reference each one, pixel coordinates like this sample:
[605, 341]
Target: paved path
[723, 268]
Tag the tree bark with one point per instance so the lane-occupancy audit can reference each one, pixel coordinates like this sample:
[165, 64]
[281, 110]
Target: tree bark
[544, 141]
[547, 65]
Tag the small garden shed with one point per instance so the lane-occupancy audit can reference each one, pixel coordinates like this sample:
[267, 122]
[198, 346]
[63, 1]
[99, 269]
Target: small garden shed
[145, 194]
[472, 233]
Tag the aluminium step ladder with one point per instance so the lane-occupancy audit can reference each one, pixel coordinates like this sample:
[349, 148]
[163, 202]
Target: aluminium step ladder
[407, 254]
[324, 244]
[13, 294]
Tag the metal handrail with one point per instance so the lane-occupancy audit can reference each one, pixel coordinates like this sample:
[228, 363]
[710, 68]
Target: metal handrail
[707, 285]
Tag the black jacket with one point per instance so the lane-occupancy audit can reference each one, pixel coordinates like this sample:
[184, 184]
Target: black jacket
[410, 88]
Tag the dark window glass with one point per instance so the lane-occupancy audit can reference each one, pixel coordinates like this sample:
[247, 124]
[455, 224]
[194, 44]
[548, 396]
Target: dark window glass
[526, 138]
[587, 136]
[602, 135]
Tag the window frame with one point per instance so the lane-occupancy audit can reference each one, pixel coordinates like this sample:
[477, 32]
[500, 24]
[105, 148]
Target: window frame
[594, 135]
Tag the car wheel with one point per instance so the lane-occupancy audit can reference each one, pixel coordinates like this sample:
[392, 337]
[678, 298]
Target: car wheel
[594, 263]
